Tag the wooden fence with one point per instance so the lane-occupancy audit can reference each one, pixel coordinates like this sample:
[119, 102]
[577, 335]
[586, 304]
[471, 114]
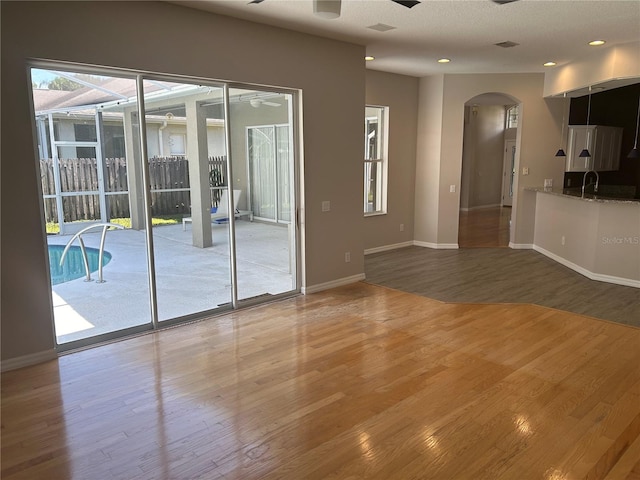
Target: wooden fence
[169, 179]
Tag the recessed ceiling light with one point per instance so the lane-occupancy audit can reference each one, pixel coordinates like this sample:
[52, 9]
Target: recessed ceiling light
[444, 60]
[549, 64]
[596, 43]
[368, 58]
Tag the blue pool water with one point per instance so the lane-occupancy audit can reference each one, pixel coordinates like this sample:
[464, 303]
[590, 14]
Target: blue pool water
[73, 266]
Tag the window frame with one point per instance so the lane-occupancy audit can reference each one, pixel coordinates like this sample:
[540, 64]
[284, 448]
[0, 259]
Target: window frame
[381, 160]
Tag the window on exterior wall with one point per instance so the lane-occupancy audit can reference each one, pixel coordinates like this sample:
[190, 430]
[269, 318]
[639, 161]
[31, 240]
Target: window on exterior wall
[512, 116]
[177, 144]
[375, 160]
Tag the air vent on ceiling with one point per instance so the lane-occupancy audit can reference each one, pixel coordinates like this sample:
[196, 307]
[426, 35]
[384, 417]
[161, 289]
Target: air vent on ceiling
[506, 44]
[381, 27]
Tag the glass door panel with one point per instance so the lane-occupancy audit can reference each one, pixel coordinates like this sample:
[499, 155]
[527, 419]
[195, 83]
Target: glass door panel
[185, 133]
[260, 130]
[92, 300]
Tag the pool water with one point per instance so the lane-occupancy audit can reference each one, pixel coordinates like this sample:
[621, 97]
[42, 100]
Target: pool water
[73, 266]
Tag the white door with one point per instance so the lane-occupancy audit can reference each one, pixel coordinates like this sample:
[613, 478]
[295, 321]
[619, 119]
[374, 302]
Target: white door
[508, 172]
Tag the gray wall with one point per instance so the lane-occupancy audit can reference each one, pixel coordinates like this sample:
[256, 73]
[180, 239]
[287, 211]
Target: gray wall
[400, 94]
[331, 75]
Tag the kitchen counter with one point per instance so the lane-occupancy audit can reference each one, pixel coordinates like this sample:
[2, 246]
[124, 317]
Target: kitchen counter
[596, 236]
[588, 197]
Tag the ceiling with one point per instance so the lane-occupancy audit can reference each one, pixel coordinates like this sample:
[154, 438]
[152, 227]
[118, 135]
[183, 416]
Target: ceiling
[464, 31]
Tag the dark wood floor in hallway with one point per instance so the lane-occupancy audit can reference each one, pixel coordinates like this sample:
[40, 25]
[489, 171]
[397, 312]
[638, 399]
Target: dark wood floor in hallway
[484, 227]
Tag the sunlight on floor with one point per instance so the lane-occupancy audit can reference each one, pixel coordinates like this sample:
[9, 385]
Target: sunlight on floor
[66, 318]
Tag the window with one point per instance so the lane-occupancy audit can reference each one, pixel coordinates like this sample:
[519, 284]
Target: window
[512, 116]
[375, 160]
[177, 144]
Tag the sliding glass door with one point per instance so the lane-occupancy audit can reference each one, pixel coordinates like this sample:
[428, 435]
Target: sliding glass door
[164, 199]
[261, 124]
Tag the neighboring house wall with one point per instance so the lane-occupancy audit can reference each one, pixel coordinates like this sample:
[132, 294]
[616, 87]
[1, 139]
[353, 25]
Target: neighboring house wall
[400, 94]
[330, 73]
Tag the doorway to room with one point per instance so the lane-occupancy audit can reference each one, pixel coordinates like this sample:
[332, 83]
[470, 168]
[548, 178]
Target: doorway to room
[488, 171]
[147, 198]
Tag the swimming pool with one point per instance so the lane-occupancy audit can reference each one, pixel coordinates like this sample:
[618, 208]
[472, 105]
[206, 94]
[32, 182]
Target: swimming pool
[73, 266]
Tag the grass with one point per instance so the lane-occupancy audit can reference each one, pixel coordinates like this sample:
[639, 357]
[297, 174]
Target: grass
[54, 228]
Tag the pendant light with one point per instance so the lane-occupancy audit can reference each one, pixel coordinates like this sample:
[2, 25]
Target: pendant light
[560, 152]
[585, 152]
[634, 151]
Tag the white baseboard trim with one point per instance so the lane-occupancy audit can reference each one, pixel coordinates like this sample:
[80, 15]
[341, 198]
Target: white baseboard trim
[332, 284]
[442, 246]
[627, 282]
[28, 360]
[521, 246]
[386, 248]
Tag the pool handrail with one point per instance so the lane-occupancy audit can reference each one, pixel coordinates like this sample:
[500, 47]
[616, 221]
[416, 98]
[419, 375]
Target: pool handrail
[85, 258]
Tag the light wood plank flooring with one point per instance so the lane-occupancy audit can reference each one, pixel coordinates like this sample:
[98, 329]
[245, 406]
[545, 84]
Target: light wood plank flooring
[355, 382]
[485, 227]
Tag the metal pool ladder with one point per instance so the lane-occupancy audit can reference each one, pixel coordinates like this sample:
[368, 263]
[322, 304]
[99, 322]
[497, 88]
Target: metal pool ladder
[105, 227]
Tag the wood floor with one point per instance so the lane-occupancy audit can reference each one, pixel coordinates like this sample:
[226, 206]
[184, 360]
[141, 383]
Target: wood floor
[485, 227]
[360, 381]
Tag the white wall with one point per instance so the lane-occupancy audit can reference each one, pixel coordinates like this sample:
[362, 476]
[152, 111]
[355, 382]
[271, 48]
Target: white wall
[330, 74]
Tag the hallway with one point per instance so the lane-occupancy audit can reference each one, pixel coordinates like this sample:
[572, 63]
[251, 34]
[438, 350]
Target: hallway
[486, 227]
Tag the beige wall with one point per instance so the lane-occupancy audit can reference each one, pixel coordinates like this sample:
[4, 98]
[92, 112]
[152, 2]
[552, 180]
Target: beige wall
[134, 35]
[482, 156]
[400, 94]
[615, 62]
[439, 159]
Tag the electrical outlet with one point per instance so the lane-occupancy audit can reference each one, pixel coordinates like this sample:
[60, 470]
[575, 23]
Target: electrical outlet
[347, 257]
[548, 182]
[562, 240]
[326, 206]
[452, 188]
[525, 171]
[402, 227]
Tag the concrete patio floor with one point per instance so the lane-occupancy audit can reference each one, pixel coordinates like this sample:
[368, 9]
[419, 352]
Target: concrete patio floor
[188, 279]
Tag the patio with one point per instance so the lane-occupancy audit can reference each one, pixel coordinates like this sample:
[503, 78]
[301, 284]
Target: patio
[189, 279]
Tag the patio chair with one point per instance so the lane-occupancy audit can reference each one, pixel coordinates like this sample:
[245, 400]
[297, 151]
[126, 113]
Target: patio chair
[222, 212]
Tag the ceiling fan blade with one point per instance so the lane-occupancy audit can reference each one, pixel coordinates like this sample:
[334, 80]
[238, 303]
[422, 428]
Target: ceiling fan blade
[255, 1]
[499, 2]
[407, 3]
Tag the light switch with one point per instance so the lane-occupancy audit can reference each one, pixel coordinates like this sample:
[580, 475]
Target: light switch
[452, 188]
[326, 206]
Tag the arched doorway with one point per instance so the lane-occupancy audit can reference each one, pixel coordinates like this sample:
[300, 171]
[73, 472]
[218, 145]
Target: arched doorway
[488, 170]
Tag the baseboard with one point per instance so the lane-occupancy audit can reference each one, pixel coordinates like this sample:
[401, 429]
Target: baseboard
[627, 282]
[332, 284]
[28, 360]
[386, 248]
[521, 246]
[443, 246]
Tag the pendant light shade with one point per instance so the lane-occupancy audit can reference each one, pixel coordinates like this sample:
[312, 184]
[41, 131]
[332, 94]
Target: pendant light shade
[634, 151]
[327, 8]
[560, 152]
[585, 153]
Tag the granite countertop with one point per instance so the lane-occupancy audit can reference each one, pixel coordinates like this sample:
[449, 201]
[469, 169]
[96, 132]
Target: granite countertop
[588, 197]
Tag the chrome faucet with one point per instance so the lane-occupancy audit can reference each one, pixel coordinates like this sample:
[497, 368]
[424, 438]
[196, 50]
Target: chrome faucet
[584, 181]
